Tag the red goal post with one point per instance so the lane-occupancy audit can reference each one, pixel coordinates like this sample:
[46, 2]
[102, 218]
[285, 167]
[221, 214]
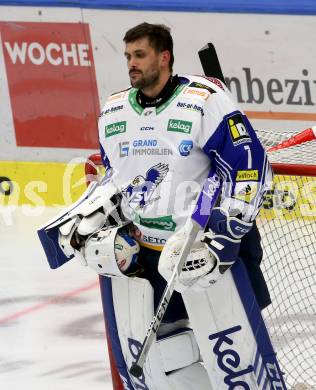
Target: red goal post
[287, 224]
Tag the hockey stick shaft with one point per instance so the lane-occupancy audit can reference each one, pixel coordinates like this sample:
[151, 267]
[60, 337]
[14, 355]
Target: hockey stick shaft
[210, 62]
[197, 221]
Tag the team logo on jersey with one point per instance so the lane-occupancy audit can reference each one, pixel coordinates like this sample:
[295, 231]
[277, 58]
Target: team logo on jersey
[140, 192]
[147, 128]
[194, 84]
[191, 107]
[247, 175]
[148, 112]
[185, 147]
[149, 147]
[179, 126]
[144, 143]
[161, 223]
[214, 81]
[115, 128]
[124, 148]
[238, 130]
[153, 240]
[196, 92]
[118, 96]
[246, 191]
[111, 110]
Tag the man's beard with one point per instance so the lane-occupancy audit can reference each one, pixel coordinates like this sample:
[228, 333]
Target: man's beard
[146, 81]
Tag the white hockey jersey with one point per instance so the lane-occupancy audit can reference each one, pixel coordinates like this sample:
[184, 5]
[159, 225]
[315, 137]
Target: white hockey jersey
[161, 155]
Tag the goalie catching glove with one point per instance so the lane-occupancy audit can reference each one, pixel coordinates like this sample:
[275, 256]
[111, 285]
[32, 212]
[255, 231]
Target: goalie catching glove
[100, 207]
[99, 236]
[212, 254]
[64, 237]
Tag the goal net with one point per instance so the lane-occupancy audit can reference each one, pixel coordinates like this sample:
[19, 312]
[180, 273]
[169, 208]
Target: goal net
[287, 223]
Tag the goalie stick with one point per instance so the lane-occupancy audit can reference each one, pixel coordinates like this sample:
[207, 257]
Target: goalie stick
[210, 63]
[198, 221]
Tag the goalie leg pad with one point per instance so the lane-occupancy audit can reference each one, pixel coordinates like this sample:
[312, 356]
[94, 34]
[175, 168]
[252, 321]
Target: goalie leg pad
[178, 350]
[193, 377]
[128, 305]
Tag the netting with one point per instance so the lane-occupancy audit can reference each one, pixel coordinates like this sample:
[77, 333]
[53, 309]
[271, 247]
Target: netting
[287, 224]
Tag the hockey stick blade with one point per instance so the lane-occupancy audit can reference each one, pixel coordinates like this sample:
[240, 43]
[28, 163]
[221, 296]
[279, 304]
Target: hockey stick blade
[198, 220]
[210, 63]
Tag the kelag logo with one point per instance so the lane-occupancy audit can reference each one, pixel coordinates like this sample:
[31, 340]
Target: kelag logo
[228, 358]
[115, 128]
[179, 126]
[162, 223]
[53, 64]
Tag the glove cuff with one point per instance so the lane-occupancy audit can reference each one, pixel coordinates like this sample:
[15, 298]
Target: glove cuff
[221, 223]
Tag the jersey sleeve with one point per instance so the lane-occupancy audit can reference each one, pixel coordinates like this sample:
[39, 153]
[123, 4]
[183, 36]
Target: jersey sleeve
[101, 125]
[229, 140]
[105, 159]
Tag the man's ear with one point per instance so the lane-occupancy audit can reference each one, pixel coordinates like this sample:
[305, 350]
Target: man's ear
[165, 58]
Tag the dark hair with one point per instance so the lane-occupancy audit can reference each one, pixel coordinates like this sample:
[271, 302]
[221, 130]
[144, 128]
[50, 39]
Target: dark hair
[158, 35]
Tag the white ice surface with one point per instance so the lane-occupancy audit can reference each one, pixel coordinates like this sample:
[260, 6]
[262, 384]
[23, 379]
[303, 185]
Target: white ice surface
[47, 344]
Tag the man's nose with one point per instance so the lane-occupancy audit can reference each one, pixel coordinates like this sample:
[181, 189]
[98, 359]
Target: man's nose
[132, 63]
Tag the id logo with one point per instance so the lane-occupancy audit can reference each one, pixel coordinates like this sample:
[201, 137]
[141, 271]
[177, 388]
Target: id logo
[185, 147]
[124, 149]
[238, 129]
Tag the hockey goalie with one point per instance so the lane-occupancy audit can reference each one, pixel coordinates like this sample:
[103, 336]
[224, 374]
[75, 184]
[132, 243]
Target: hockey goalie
[184, 169]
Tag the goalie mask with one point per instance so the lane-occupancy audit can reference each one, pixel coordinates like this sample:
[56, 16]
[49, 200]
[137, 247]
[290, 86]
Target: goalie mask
[113, 251]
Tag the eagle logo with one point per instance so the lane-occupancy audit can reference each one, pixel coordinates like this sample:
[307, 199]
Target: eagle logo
[139, 192]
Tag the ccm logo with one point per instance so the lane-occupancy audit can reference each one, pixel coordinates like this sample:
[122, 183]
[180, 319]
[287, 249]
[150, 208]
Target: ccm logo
[55, 53]
[240, 229]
